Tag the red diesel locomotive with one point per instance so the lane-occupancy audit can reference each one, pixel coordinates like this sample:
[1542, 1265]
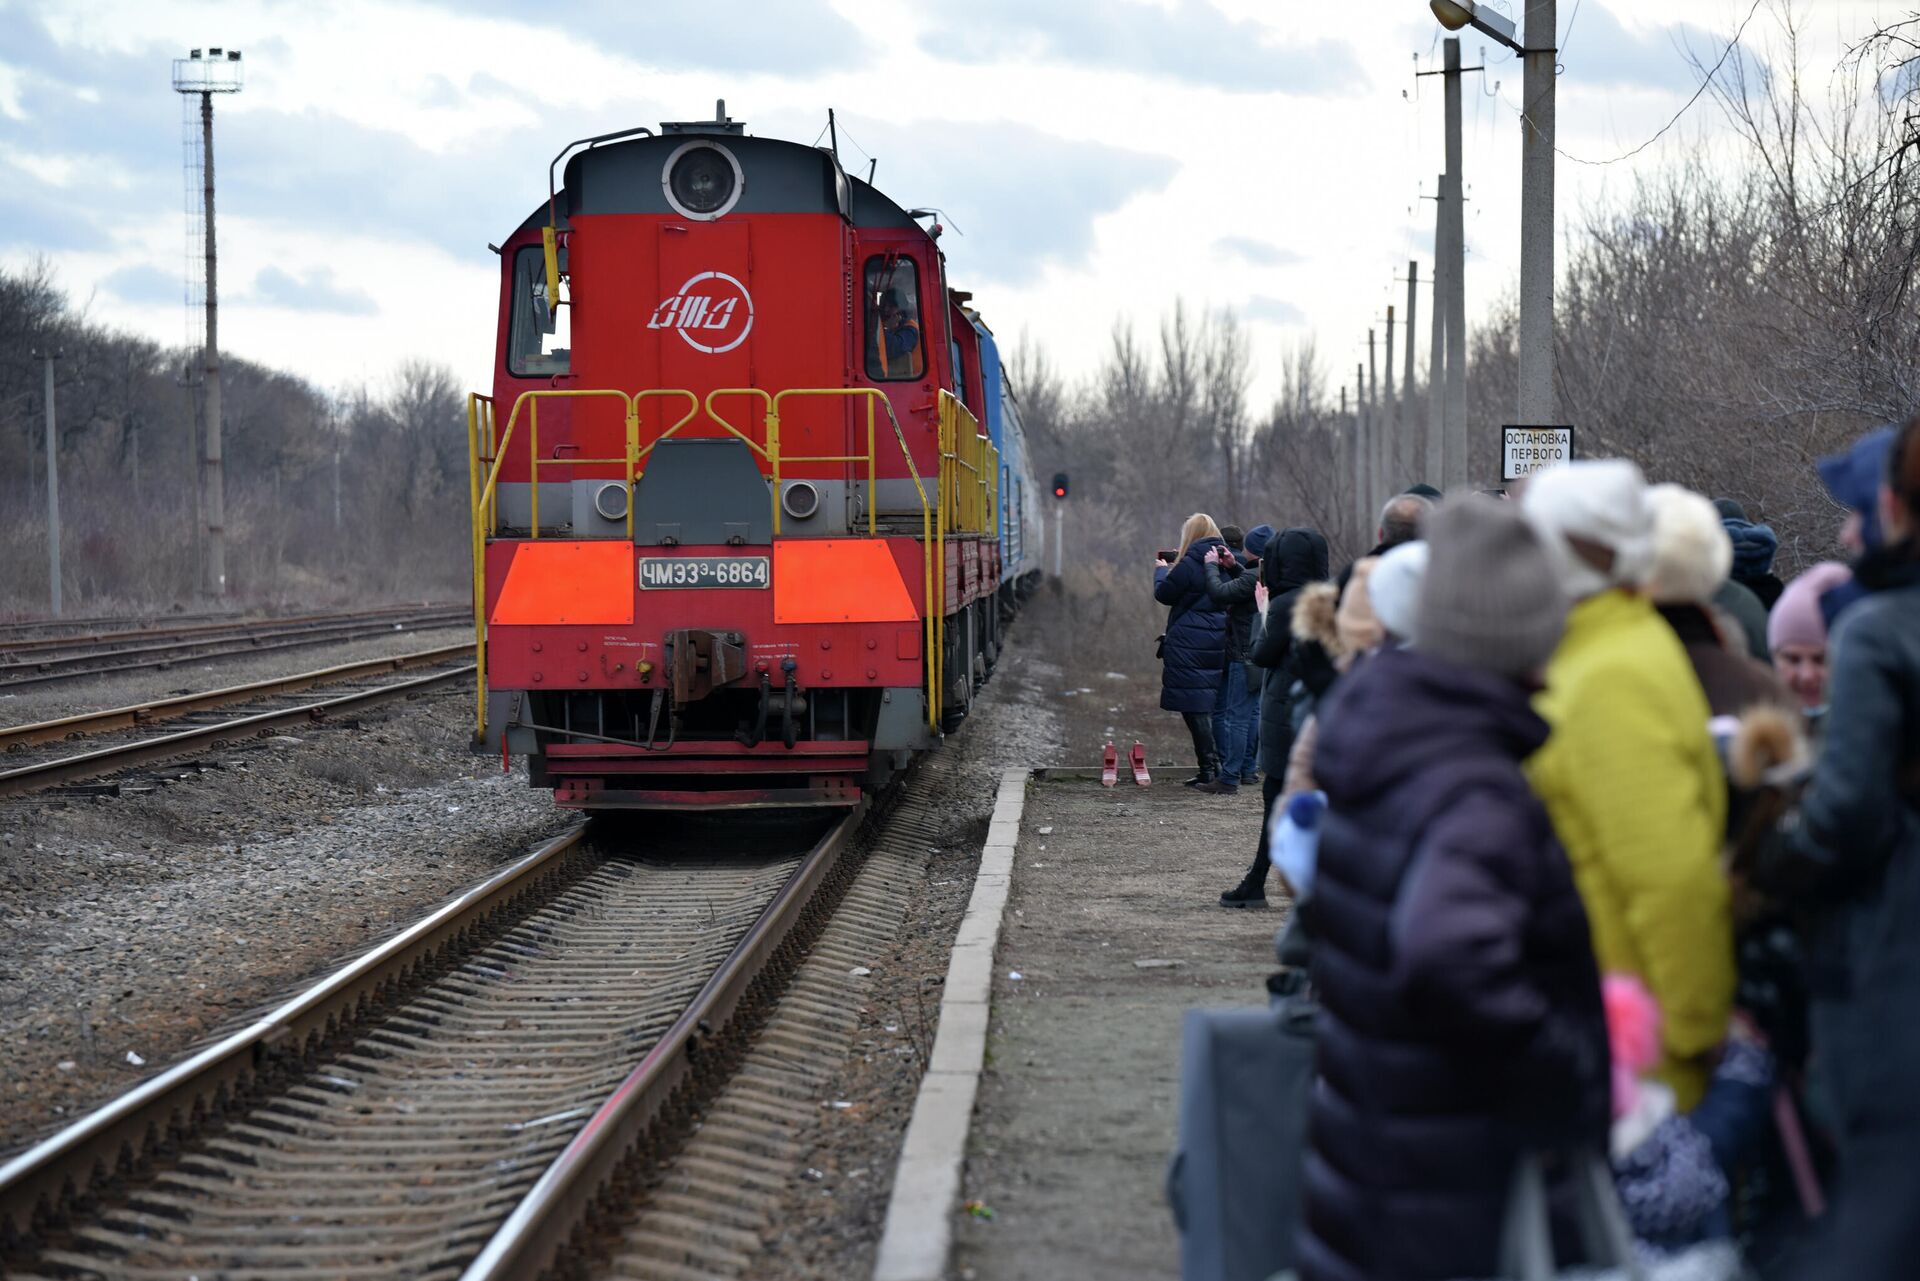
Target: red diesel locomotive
[739, 536]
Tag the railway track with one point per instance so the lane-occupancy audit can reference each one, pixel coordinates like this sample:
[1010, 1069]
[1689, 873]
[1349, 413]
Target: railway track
[24, 628]
[49, 659]
[461, 1099]
[41, 755]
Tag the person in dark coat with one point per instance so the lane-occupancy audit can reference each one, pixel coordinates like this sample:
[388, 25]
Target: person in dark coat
[1294, 558]
[1850, 857]
[1461, 1022]
[1193, 650]
[1754, 547]
[1231, 579]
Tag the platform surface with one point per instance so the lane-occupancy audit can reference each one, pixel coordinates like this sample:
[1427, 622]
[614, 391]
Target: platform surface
[1115, 929]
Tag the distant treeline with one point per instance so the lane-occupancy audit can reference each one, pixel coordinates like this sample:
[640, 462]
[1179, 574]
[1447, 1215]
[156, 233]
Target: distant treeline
[387, 519]
[1721, 324]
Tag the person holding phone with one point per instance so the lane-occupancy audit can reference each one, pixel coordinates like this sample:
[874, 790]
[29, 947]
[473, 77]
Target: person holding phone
[1193, 649]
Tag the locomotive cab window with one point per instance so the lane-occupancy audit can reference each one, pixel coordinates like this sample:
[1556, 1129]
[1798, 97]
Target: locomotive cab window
[896, 348]
[540, 337]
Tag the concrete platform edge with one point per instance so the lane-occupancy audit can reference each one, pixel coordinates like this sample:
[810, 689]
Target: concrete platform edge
[919, 1230]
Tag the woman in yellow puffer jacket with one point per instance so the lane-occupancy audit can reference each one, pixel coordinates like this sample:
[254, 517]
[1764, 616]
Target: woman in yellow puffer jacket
[1630, 775]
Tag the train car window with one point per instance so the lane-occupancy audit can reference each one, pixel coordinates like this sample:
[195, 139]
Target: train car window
[539, 339]
[894, 345]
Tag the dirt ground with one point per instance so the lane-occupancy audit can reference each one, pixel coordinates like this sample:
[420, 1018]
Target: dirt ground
[1113, 931]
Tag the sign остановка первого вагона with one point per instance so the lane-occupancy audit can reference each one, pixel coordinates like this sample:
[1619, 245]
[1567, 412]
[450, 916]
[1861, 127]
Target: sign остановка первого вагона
[1526, 450]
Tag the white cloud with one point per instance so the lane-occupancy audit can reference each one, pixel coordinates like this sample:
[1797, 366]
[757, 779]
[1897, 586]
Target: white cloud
[1102, 159]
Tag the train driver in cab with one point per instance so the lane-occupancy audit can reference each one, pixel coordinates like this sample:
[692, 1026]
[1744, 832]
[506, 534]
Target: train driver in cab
[901, 335]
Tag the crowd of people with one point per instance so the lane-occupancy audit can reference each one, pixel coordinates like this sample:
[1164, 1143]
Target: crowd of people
[1604, 845]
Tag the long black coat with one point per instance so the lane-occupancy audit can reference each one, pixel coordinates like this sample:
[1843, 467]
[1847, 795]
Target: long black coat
[1295, 558]
[1461, 1019]
[1853, 864]
[1195, 652]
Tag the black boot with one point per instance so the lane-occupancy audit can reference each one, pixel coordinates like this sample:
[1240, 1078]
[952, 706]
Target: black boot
[1221, 785]
[1248, 893]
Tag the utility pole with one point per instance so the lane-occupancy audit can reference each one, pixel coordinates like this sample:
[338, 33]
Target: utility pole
[1390, 421]
[1437, 356]
[1408, 435]
[218, 72]
[1362, 447]
[336, 486]
[1377, 421]
[53, 485]
[1453, 201]
[1539, 405]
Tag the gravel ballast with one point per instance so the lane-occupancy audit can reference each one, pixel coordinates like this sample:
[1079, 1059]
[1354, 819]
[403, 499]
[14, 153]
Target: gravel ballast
[197, 675]
[133, 927]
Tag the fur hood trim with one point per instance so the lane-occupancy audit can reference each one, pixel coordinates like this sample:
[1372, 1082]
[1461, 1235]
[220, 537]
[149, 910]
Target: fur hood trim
[1314, 611]
[1769, 745]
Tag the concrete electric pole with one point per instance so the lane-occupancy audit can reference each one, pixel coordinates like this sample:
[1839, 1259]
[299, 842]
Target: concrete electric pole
[1410, 437]
[53, 486]
[1453, 203]
[1539, 405]
[1437, 357]
[1391, 437]
[1362, 450]
[218, 72]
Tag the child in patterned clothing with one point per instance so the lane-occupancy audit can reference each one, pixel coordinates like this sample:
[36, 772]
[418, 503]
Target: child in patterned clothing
[1673, 1170]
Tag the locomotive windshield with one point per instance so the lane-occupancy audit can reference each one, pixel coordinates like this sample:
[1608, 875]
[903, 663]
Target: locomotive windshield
[894, 347]
[539, 337]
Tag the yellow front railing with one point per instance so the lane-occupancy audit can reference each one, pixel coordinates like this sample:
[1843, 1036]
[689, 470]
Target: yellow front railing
[964, 500]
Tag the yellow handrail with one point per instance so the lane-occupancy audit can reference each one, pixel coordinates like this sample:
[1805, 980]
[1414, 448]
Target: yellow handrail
[960, 445]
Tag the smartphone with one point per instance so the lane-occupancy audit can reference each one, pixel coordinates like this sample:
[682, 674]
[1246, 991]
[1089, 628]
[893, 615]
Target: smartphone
[1168, 557]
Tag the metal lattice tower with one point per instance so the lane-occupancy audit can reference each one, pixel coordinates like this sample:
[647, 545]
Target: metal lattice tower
[200, 77]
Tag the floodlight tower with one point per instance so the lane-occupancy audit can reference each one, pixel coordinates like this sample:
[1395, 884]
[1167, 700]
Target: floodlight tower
[215, 71]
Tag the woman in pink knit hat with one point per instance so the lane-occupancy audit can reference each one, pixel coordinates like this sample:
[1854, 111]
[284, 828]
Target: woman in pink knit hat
[1797, 634]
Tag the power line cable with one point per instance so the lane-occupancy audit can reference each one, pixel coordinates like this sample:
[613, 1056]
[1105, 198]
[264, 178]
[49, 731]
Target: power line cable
[1724, 55]
[1561, 52]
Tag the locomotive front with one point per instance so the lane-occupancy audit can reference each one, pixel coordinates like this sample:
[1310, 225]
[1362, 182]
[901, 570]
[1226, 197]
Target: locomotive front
[737, 531]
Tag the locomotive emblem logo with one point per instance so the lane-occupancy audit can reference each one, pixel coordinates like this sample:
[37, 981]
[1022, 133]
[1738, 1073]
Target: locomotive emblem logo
[713, 312]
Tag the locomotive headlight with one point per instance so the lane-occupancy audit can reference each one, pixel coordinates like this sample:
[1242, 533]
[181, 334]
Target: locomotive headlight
[611, 501]
[800, 500]
[702, 180]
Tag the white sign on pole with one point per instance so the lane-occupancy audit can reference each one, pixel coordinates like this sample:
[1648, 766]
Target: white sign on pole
[1526, 450]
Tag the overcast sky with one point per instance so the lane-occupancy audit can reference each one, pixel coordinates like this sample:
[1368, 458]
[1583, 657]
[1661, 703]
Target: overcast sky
[1101, 157]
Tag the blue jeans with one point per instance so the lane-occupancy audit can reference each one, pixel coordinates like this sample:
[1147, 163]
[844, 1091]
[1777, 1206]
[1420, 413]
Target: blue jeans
[1233, 709]
[1250, 759]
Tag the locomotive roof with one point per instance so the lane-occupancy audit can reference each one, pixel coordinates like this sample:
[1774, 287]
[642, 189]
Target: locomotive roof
[777, 177]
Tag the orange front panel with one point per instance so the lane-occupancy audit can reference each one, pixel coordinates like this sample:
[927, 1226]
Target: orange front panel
[567, 581]
[838, 580]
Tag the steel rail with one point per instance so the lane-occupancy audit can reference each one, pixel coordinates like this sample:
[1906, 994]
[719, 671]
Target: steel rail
[88, 764]
[70, 624]
[532, 1237]
[164, 709]
[75, 666]
[230, 625]
[73, 1157]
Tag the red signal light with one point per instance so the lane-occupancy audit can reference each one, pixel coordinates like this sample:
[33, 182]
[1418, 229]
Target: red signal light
[1059, 491]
